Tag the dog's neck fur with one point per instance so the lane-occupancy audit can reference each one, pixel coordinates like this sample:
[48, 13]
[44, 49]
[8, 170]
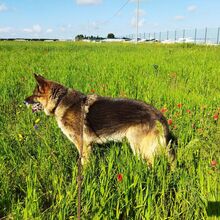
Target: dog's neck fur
[59, 99]
[71, 96]
[54, 101]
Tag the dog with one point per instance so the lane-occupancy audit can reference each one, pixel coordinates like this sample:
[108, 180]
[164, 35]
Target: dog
[99, 119]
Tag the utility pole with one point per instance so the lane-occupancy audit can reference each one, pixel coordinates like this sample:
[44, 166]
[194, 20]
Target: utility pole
[137, 20]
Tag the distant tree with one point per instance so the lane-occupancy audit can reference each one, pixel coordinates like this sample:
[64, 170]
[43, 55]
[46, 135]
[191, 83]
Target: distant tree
[79, 37]
[111, 36]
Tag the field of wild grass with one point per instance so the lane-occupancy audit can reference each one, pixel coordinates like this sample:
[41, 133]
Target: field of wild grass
[38, 165]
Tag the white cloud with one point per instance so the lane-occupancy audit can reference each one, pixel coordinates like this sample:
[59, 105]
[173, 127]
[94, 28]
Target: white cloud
[192, 8]
[3, 7]
[36, 29]
[179, 17]
[141, 22]
[88, 2]
[62, 29]
[49, 30]
[5, 30]
[141, 12]
[28, 30]
[94, 25]
[66, 27]
[69, 26]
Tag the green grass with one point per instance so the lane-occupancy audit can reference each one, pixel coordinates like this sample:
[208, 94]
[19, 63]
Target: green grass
[38, 167]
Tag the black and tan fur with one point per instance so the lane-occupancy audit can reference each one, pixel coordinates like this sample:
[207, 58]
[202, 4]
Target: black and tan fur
[104, 119]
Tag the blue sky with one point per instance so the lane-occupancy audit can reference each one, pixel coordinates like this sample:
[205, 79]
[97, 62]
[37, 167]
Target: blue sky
[67, 18]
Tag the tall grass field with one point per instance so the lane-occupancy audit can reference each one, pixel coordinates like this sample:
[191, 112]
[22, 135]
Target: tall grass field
[38, 164]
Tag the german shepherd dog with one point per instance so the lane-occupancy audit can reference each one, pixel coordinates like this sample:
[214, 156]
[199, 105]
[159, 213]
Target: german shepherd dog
[104, 119]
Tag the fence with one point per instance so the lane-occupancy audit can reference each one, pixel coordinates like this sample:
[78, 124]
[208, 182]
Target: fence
[198, 36]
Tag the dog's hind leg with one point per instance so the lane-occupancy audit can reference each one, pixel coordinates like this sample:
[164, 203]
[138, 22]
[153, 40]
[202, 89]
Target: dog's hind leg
[146, 142]
[135, 135]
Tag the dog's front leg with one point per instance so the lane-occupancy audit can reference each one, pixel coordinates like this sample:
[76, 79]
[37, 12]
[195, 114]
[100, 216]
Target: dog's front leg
[85, 152]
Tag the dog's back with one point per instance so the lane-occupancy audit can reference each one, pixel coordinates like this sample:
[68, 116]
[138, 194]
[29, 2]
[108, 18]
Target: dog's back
[107, 116]
[144, 126]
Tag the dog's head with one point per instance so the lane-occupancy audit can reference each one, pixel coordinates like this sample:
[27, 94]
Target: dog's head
[46, 95]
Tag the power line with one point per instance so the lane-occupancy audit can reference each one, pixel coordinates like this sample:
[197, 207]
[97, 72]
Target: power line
[117, 12]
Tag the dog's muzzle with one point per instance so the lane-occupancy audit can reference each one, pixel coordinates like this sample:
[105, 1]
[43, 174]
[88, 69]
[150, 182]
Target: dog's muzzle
[35, 106]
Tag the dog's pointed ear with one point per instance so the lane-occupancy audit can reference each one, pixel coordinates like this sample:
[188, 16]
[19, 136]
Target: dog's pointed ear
[41, 81]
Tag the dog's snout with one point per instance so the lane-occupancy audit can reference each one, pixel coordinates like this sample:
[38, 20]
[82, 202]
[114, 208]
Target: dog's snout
[29, 100]
[26, 101]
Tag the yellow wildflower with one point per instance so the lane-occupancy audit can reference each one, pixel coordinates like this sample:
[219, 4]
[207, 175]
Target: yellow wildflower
[37, 121]
[20, 137]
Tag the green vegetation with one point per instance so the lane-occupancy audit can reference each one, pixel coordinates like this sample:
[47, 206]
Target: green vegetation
[38, 165]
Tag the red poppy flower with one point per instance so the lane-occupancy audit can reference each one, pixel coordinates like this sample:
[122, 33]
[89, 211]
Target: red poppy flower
[215, 117]
[213, 163]
[170, 121]
[119, 177]
[163, 110]
[179, 105]
[188, 111]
